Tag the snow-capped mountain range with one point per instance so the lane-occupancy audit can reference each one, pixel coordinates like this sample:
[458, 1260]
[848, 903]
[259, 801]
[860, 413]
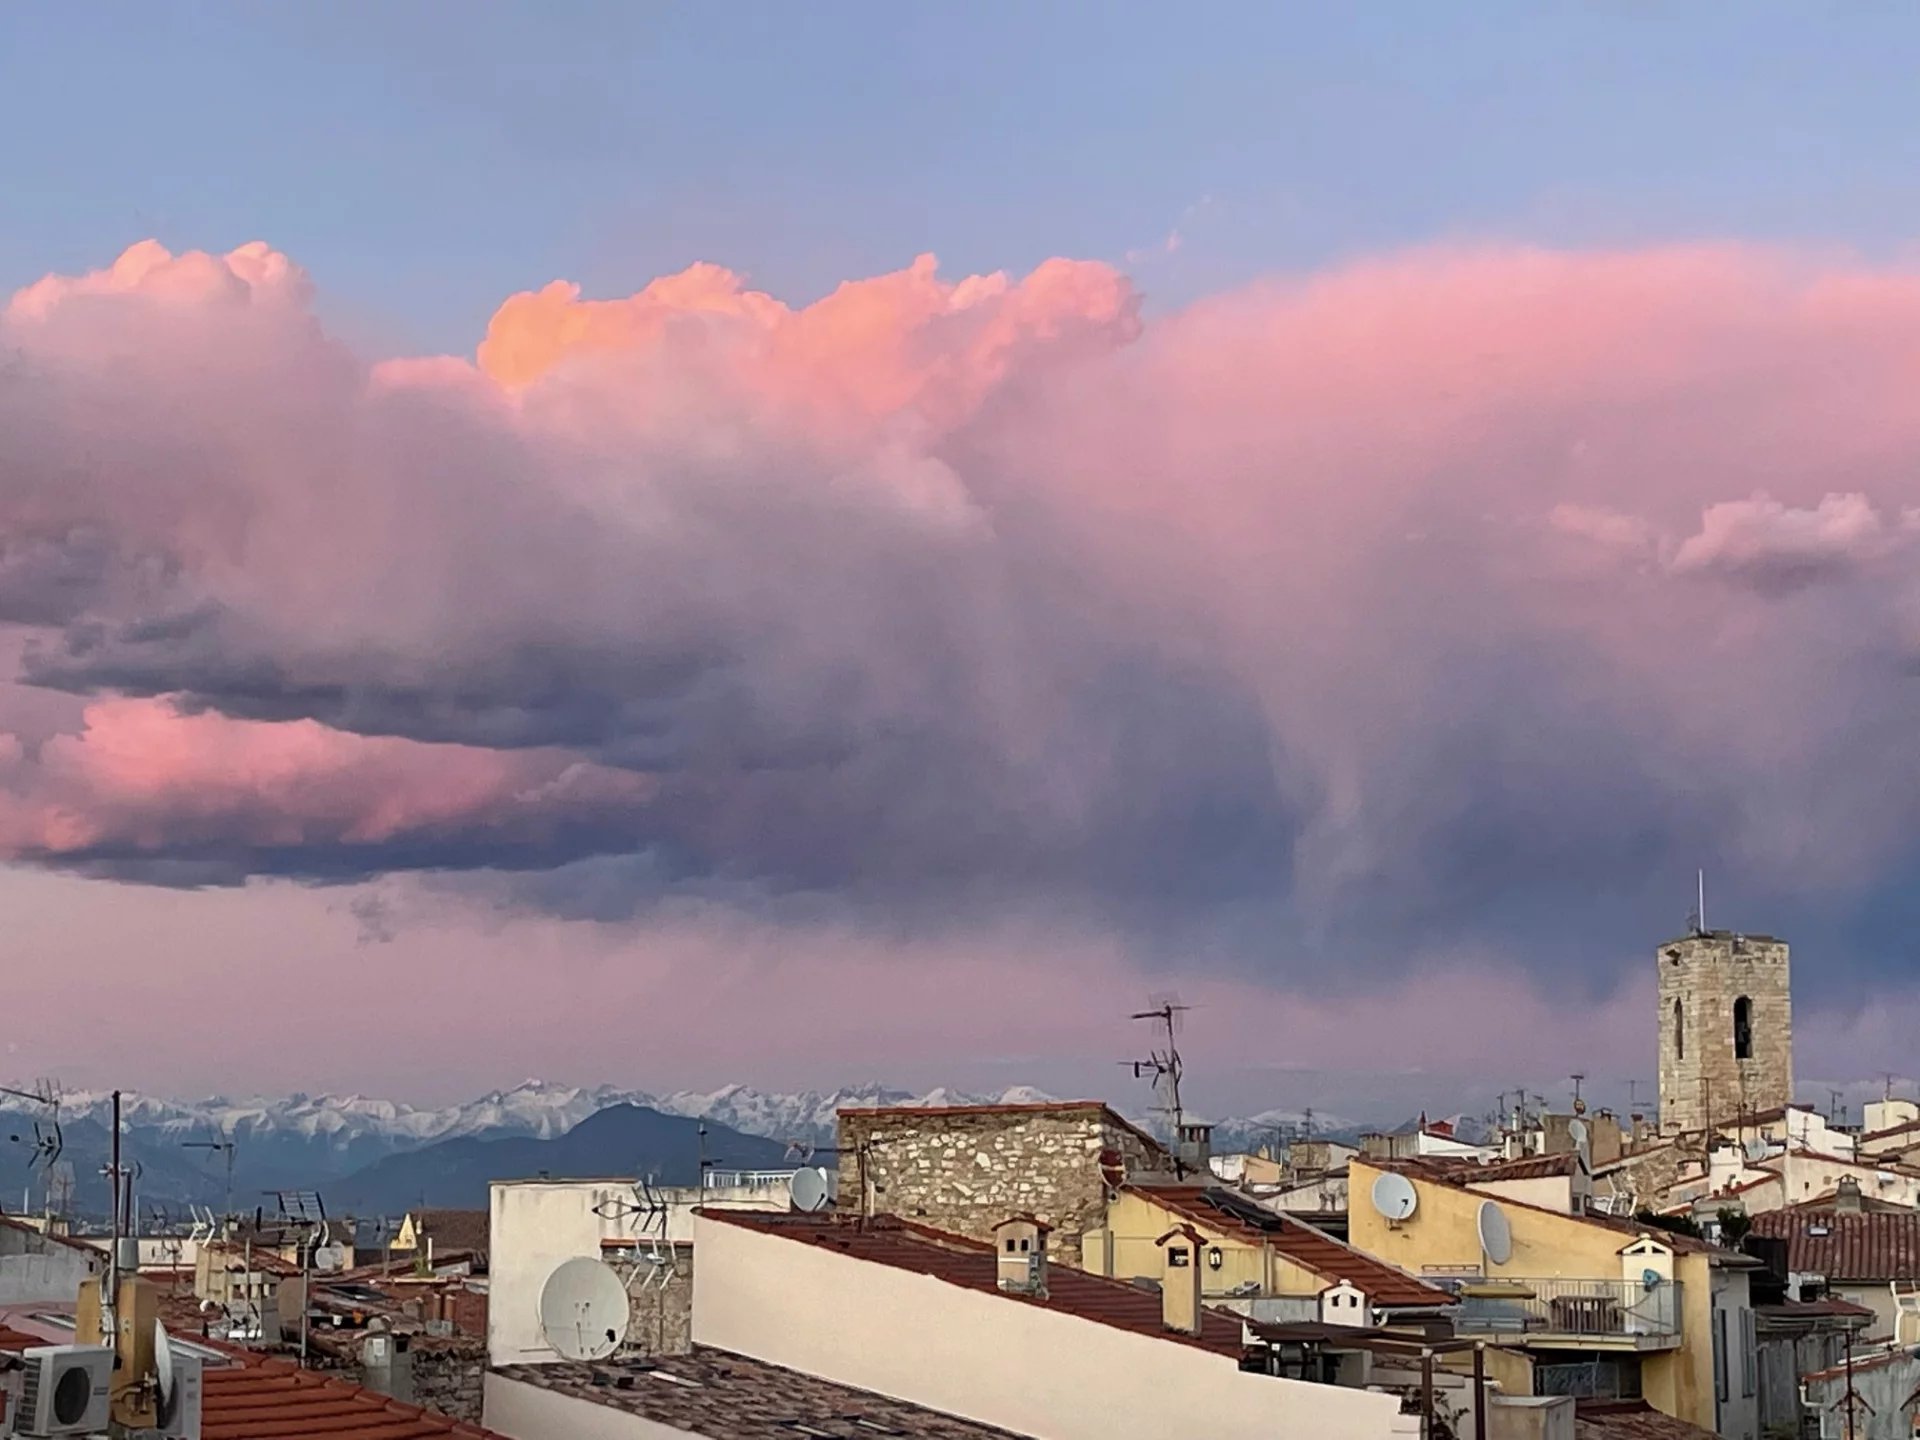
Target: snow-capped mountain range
[308, 1140]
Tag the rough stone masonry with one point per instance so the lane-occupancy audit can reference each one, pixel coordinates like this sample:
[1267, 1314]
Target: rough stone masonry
[964, 1169]
[1726, 1029]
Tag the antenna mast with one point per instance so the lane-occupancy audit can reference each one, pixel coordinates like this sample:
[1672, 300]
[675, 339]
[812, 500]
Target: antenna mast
[1700, 910]
[227, 1145]
[1163, 1065]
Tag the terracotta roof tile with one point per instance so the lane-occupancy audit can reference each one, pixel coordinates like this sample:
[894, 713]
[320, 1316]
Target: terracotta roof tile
[886, 1240]
[1307, 1247]
[277, 1401]
[1526, 1167]
[1631, 1420]
[16, 1340]
[1878, 1246]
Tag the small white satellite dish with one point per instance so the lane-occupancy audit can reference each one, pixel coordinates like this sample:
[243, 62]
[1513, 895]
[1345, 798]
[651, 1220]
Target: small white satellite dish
[163, 1362]
[1577, 1132]
[583, 1309]
[1496, 1236]
[808, 1189]
[1395, 1197]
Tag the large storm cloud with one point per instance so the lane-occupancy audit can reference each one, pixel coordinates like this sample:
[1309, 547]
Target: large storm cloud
[1455, 598]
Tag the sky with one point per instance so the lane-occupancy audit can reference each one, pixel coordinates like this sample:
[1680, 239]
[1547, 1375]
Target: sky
[505, 519]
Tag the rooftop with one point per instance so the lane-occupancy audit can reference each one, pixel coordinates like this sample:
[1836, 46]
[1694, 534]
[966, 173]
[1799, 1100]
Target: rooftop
[1311, 1249]
[1620, 1224]
[468, 1230]
[1526, 1167]
[1631, 1420]
[1876, 1246]
[274, 1398]
[730, 1397]
[887, 1240]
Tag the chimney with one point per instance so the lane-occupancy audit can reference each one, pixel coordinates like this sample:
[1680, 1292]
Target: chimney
[1846, 1196]
[386, 1363]
[1193, 1147]
[1020, 1246]
[1180, 1285]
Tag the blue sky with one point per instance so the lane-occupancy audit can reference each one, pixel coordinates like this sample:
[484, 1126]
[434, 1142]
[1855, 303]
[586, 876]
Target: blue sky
[423, 160]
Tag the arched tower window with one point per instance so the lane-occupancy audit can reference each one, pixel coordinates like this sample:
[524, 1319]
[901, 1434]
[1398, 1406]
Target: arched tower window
[1679, 1032]
[1743, 1029]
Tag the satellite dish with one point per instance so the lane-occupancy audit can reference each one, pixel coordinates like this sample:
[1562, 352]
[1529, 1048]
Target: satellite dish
[163, 1366]
[1496, 1236]
[1651, 1278]
[1577, 1132]
[1395, 1197]
[583, 1310]
[808, 1190]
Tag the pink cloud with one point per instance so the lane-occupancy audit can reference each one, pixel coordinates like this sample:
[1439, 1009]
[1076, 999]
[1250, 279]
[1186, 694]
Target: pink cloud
[943, 599]
[142, 777]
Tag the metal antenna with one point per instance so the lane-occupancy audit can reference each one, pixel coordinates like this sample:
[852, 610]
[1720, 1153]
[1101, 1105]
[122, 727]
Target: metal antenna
[1163, 1065]
[1700, 878]
[228, 1145]
[1576, 1078]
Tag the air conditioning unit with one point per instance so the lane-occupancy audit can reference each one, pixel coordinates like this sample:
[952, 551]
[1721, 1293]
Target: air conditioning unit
[179, 1416]
[67, 1389]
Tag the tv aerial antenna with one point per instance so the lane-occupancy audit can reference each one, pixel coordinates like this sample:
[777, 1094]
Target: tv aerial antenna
[44, 1141]
[800, 1150]
[1162, 1065]
[226, 1145]
[650, 1211]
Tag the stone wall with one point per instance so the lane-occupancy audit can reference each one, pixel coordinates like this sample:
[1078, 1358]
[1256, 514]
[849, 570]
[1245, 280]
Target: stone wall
[964, 1170]
[1702, 1081]
[660, 1320]
[450, 1381]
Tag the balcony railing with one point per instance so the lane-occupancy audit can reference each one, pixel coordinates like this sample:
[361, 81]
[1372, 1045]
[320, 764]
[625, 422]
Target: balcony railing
[1594, 1309]
[747, 1179]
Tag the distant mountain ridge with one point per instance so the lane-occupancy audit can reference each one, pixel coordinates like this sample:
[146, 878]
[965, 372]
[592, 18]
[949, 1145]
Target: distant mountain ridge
[616, 1141]
[309, 1141]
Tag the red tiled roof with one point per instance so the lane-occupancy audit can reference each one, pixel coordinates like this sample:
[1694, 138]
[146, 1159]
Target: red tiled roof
[1905, 1127]
[1527, 1167]
[887, 1240]
[1877, 1246]
[1307, 1247]
[277, 1401]
[17, 1340]
[1631, 1420]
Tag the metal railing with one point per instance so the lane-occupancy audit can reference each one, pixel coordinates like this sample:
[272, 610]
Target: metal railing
[1598, 1308]
[747, 1179]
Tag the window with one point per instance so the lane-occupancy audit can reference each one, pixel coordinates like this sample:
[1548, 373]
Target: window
[1176, 1257]
[1743, 1029]
[1679, 1032]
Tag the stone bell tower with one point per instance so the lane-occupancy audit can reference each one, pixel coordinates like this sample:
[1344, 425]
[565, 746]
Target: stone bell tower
[1726, 1028]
